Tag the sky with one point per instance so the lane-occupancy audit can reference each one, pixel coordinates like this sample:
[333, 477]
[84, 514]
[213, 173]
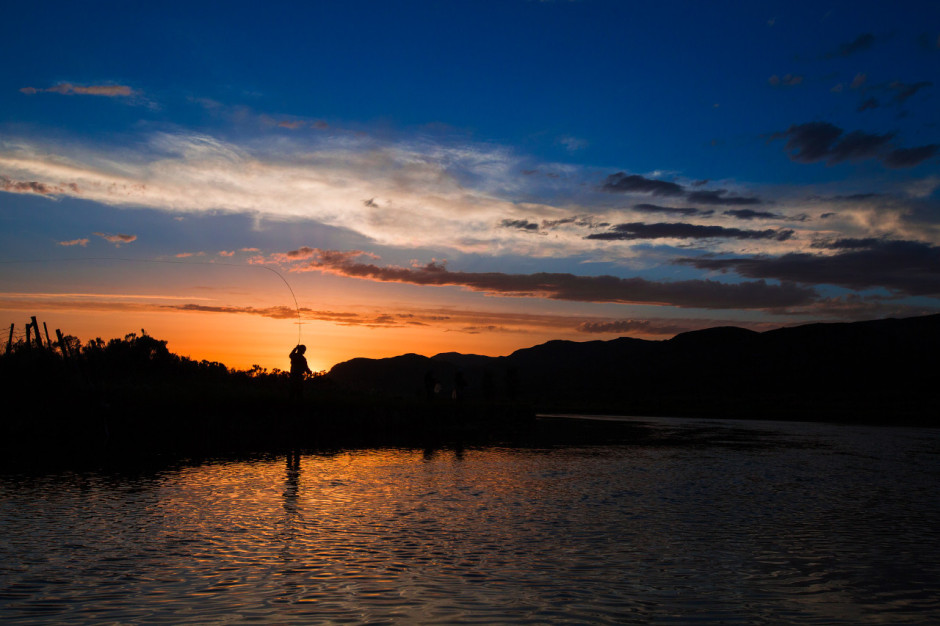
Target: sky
[373, 179]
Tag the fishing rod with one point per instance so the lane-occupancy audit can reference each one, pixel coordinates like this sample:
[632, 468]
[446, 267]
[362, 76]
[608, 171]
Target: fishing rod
[169, 261]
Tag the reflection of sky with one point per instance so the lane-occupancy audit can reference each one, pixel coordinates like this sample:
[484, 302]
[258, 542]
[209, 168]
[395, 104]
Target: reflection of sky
[783, 519]
[543, 170]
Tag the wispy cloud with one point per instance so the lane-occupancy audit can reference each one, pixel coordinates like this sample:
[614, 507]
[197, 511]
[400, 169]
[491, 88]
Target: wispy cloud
[787, 80]
[572, 144]
[471, 198]
[684, 211]
[903, 91]
[117, 239]
[110, 91]
[861, 43]
[414, 189]
[75, 242]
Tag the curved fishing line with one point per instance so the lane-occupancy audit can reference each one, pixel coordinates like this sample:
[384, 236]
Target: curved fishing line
[168, 261]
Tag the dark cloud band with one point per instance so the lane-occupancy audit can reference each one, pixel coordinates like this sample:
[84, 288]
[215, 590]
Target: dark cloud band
[908, 267]
[822, 141]
[634, 183]
[562, 286]
[639, 230]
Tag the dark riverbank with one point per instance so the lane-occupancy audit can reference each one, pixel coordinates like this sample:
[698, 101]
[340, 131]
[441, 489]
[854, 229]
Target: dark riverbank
[881, 372]
[132, 396]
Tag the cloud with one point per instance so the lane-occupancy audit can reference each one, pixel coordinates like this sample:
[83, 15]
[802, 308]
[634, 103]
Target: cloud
[904, 91]
[422, 194]
[304, 252]
[861, 43]
[405, 194]
[909, 157]
[110, 91]
[32, 186]
[750, 214]
[719, 196]
[343, 318]
[689, 211]
[36, 187]
[809, 142]
[559, 222]
[452, 320]
[858, 145]
[638, 230]
[664, 328]
[788, 80]
[908, 267]
[848, 243]
[859, 80]
[74, 242]
[634, 183]
[855, 306]
[572, 144]
[117, 239]
[822, 141]
[563, 286]
[645, 327]
[870, 103]
[520, 224]
[584, 221]
[275, 312]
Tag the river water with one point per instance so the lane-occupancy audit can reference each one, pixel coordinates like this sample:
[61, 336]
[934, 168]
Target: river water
[726, 521]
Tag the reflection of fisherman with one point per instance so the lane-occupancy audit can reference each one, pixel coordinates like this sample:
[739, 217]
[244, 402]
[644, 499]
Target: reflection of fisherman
[298, 368]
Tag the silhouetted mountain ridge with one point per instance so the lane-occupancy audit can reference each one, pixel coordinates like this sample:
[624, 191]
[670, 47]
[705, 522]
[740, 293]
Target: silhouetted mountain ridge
[880, 370]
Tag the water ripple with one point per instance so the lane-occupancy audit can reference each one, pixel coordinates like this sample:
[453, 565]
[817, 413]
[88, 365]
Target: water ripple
[824, 525]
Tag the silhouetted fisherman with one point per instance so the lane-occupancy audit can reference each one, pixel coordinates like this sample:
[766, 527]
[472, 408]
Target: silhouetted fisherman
[298, 369]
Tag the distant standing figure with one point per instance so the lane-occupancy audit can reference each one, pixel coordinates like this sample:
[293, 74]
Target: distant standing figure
[298, 368]
[460, 383]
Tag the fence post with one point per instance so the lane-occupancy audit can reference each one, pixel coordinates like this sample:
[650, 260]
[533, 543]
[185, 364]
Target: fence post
[29, 329]
[64, 348]
[10, 340]
[48, 341]
[36, 328]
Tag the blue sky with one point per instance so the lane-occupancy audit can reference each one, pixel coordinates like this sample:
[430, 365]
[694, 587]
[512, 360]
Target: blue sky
[537, 169]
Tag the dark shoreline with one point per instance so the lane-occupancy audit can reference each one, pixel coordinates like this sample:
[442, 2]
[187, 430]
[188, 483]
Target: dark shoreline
[132, 397]
[119, 438]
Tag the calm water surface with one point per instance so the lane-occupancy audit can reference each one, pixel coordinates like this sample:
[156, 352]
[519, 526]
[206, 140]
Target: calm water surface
[768, 522]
